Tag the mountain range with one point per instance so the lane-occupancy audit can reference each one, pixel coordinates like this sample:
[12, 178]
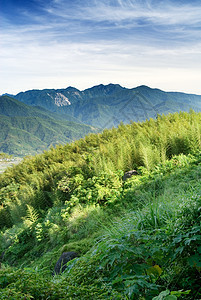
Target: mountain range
[34, 120]
[105, 106]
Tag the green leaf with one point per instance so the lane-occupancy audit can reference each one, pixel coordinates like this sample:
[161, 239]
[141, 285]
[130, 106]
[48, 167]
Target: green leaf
[178, 239]
[117, 280]
[195, 260]
[193, 238]
[162, 295]
[170, 297]
[180, 292]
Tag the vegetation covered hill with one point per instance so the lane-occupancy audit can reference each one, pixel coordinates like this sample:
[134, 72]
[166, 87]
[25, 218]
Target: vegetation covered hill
[136, 239]
[105, 106]
[27, 130]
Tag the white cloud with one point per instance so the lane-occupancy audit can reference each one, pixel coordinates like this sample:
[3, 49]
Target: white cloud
[82, 65]
[161, 13]
[59, 49]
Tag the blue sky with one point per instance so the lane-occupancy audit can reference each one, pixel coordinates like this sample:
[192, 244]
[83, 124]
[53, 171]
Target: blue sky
[81, 43]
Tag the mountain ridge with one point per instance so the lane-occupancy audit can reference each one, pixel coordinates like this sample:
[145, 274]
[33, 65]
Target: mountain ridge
[37, 119]
[108, 105]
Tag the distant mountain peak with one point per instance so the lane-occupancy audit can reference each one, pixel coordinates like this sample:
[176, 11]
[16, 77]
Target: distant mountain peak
[144, 87]
[72, 89]
[105, 89]
[106, 86]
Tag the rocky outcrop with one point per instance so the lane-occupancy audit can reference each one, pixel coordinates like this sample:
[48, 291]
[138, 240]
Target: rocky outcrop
[61, 100]
[1, 258]
[63, 260]
[129, 174]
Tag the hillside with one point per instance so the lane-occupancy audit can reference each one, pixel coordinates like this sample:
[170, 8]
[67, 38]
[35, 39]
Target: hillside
[37, 119]
[28, 130]
[135, 239]
[105, 106]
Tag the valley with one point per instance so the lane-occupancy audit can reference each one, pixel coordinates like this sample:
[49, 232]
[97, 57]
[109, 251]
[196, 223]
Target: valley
[6, 163]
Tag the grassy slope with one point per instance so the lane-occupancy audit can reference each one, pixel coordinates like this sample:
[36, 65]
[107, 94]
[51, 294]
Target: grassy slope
[28, 130]
[148, 228]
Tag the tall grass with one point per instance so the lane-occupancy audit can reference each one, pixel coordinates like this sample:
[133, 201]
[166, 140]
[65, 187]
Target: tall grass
[127, 147]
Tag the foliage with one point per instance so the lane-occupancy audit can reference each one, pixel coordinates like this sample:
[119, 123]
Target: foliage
[137, 239]
[102, 189]
[5, 156]
[37, 284]
[167, 295]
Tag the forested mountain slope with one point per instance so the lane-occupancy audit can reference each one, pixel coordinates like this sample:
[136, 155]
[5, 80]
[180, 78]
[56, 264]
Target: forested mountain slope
[28, 130]
[105, 106]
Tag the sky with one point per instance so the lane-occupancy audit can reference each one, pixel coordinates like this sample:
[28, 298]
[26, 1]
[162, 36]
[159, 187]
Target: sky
[82, 43]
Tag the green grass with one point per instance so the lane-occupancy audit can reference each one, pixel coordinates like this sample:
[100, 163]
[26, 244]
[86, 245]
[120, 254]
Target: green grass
[118, 244]
[135, 239]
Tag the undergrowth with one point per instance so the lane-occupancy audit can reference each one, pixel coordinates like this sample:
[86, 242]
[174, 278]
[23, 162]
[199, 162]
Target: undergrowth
[136, 239]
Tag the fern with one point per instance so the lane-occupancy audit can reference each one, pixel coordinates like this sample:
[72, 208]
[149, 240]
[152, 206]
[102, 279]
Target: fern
[31, 217]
